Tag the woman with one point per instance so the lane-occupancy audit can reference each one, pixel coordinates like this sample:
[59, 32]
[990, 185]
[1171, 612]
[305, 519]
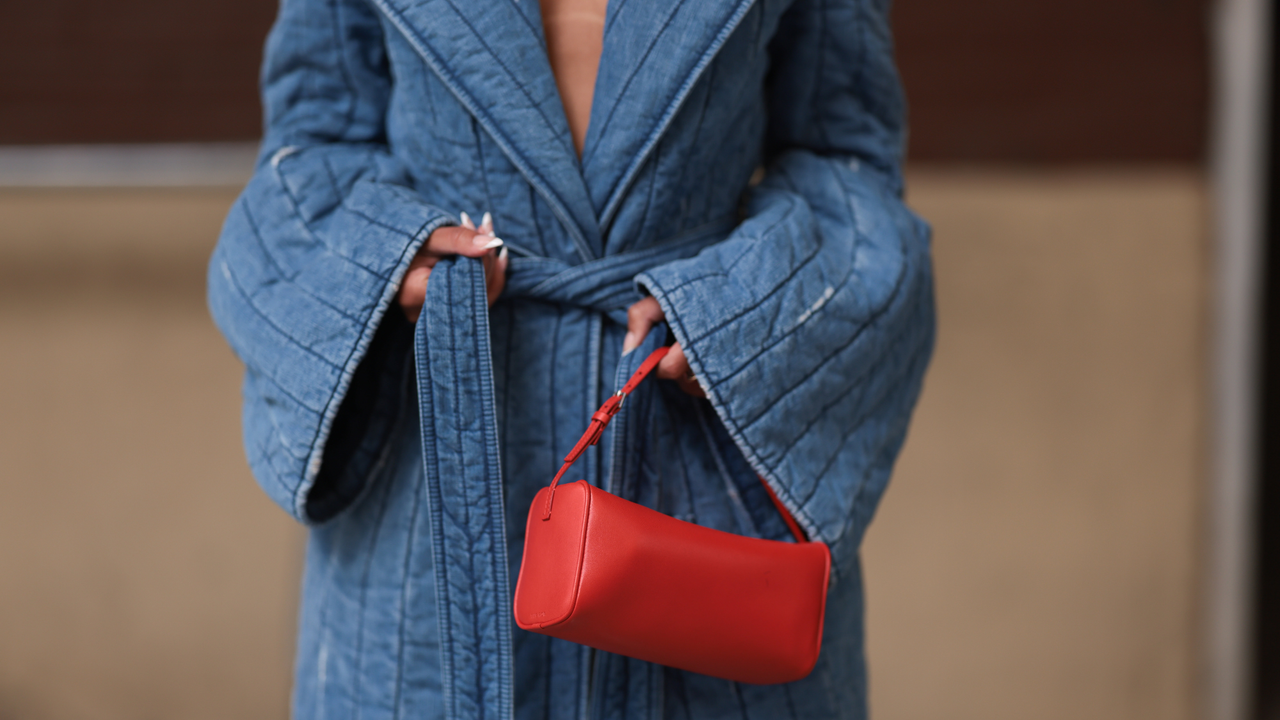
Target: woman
[802, 308]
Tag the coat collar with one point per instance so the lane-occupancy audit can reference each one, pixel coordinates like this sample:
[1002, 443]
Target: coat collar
[654, 52]
[492, 55]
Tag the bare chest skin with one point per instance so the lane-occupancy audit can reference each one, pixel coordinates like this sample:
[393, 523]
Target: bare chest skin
[575, 36]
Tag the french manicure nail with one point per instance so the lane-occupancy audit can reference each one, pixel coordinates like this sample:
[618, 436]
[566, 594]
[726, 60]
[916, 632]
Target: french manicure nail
[487, 221]
[484, 242]
[502, 254]
[466, 222]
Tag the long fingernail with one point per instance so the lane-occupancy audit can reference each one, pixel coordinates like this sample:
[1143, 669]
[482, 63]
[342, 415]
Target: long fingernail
[485, 242]
[466, 222]
[486, 223]
[502, 254]
[629, 342]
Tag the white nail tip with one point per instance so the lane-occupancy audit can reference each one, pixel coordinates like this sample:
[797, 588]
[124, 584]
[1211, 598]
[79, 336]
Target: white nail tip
[496, 242]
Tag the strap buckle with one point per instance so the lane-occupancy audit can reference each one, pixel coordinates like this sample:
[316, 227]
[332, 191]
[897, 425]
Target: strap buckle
[600, 420]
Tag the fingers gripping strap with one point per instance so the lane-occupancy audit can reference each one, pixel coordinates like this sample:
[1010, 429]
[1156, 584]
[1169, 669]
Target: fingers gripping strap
[600, 420]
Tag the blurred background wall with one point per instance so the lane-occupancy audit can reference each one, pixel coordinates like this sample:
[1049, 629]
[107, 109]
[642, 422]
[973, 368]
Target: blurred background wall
[1038, 553]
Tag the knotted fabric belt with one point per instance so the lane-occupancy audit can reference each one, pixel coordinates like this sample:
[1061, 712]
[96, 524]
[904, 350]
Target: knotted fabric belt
[605, 284]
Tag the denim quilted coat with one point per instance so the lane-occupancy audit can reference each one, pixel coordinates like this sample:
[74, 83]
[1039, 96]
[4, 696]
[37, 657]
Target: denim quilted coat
[803, 300]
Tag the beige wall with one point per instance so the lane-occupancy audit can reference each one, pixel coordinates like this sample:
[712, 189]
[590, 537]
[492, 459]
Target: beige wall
[1034, 557]
[142, 574]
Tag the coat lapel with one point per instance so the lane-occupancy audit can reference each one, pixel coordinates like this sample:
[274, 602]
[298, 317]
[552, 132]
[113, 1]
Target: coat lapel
[493, 57]
[654, 52]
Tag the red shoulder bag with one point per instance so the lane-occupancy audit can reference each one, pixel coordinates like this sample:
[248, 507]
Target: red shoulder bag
[623, 578]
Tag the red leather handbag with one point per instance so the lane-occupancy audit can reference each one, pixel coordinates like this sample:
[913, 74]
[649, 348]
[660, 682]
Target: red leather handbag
[620, 577]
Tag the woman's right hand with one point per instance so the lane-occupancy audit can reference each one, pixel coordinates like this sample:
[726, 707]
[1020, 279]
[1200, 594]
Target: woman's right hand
[465, 239]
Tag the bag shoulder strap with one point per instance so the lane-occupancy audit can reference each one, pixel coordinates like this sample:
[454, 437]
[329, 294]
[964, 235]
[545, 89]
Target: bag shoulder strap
[600, 420]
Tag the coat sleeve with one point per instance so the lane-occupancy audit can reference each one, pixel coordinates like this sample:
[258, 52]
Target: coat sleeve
[811, 325]
[310, 258]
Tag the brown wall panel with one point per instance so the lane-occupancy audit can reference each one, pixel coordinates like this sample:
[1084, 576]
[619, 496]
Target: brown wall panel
[988, 80]
[131, 70]
[1053, 81]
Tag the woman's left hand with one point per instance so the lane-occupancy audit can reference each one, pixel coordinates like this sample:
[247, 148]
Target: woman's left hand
[675, 366]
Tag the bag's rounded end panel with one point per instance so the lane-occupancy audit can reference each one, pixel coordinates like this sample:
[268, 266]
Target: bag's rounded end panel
[547, 587]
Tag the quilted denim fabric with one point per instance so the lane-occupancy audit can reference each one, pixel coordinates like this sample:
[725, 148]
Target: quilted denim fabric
[804, 304]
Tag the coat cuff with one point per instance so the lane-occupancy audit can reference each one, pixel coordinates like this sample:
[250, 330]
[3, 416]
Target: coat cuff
[307, 312]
